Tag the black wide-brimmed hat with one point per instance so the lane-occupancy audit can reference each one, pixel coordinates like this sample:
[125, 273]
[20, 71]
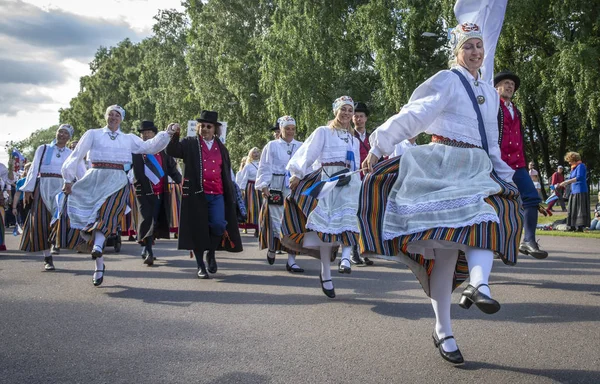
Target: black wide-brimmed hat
[507, 75]
[361, 107]
[148, 125]
[211, 117]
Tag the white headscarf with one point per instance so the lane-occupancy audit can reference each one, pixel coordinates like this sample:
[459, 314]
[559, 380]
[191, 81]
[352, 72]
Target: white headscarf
[115, 108]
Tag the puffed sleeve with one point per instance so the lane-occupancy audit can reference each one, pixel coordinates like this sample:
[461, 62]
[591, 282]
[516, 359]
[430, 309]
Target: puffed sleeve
[424, 106]
[32, 175]
[243, 177]
[149, 147]
[264, 173]
[301, 162]
[70, 167]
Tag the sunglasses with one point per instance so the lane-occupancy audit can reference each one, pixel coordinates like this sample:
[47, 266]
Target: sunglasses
[207, 126]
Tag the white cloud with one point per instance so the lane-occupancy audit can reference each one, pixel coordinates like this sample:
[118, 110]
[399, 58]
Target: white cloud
[45, 47]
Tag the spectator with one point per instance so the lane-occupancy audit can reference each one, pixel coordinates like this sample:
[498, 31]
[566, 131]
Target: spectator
[579, 200]
[535, 177]
[557, 178]
[595, 224]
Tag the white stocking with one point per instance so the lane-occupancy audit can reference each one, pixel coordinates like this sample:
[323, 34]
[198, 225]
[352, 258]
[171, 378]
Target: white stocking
[440, 287]
[346, 250]
[480, 265]
[291, 259]
[325, 251]
[46, 252]
[99, 239]
[99, 267]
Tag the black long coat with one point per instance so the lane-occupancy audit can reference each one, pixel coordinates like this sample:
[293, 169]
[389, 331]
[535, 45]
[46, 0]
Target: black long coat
[146, 199]
[193, 223]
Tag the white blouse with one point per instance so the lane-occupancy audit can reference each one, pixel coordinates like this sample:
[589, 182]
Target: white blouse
[441, 106]
[273, 159]
[402, 147]
[55, 165]
[325, 145]
[248, 174]
[102, 148]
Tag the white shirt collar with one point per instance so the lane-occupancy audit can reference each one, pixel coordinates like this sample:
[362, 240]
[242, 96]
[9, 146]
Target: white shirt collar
[465, 72]
[107, 130]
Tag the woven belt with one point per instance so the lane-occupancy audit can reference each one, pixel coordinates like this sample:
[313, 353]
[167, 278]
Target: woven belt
[279, 174]
[51, 175]
[108, 166]
[335, 164]
[452, 143]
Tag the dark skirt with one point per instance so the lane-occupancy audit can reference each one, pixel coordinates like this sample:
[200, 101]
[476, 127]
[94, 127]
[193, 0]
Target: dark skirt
[36, 230]
[579, 210]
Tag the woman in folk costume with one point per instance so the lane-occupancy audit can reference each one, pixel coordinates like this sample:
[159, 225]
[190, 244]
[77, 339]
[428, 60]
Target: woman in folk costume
[208, 204]
[239, 172]
[43, 183]
[444, 209]
[319, 225]
[252, 197]
[97, 201]
[273, 181]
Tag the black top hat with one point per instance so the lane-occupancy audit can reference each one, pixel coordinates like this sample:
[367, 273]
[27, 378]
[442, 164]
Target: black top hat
[276, 126]
[361, 107]
[506, 74]
[148, 126]
[211, 117]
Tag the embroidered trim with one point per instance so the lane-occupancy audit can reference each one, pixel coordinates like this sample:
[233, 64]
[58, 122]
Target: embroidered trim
[486, 217]
[433, 206]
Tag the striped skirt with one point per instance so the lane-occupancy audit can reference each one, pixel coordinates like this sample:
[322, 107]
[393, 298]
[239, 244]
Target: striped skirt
[107, 221]
[296, 209]
[2, 229]
[128, 222]
[174, 206]
[503, 238]
[253, 201]
[36, 230]
[269, 232]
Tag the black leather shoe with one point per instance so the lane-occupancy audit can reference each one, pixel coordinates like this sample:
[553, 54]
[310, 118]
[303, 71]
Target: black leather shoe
[328, 292]
[532, 248]
[485, 303]
[368, 261]
[271, 257]
[212, 262]
[99, 281]
[294, 268]
[343, 269]
[454, 357]
[149, 260]
[96, 252]
[131, 238]
[202, 274]
[48, 264]
[355, 257]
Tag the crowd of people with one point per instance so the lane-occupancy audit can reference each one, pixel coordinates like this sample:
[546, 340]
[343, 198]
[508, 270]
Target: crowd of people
[445, 209]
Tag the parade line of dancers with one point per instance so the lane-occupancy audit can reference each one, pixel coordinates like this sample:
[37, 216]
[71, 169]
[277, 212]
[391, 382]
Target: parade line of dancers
[445, 209]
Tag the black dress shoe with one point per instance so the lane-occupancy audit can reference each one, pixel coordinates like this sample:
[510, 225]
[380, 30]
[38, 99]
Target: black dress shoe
[485, 303]
[328, 292]
[149, 260]
[356, 259]
[294, 268]
[271, 257]
[454, 357]
[99, 281]
[368, 261]
[212, 262]
[48, 264]
[202, 274]
[131, 238]
[96, 252]
[531, 248]
[343, 269]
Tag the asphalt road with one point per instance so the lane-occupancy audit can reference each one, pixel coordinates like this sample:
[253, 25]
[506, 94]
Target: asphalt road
[256, 323]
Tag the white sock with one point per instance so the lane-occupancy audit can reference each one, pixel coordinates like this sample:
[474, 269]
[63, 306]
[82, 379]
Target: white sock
[99, 267]
[480, 265]
[291, 259]
[440, 287]
[346, 250]
[99, 238]
[45, 252]
[326, 266]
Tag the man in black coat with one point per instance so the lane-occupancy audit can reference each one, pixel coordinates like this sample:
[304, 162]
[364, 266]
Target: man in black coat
[208, 205]
[151, 174]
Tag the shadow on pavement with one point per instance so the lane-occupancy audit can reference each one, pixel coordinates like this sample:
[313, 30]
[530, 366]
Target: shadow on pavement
[559, 375]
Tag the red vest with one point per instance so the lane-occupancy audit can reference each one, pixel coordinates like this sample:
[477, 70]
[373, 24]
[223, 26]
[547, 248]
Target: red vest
[211, 168]
[511, 147]
[364, 147]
